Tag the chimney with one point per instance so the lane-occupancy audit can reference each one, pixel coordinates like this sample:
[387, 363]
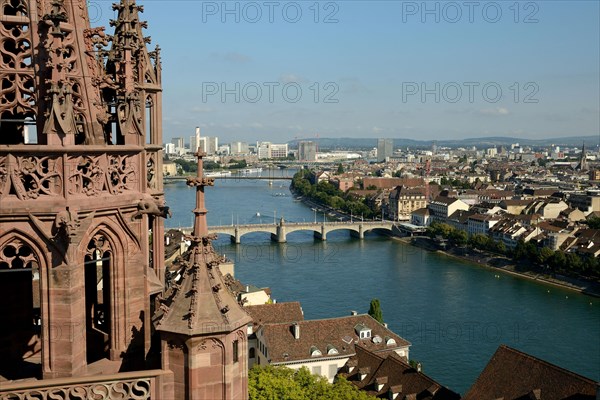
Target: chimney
[385, 325]
[247, 288]
[296, 329]
[352, 312]
[419, 368]
[168, 240]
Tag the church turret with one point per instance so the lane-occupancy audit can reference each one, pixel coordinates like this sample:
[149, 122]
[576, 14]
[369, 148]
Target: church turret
[202, 326]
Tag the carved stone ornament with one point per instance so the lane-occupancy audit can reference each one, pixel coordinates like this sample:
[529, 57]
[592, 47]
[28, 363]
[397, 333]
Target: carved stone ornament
[155, 207]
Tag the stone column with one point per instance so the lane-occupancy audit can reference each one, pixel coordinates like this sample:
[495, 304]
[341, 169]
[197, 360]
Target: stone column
[66, 322]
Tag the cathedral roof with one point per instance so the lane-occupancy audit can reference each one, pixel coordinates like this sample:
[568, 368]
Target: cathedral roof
[198, 301]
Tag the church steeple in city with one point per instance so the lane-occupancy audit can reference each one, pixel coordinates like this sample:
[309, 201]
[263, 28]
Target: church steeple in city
[582, 166]
[201, 323]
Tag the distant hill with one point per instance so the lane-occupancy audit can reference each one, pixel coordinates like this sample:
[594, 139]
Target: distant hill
[482, 142]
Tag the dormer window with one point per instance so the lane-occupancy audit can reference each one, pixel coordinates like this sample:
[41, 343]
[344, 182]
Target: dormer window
[362, 331]
[363, 372]
[380, 382]
[390, 341]
[315, 352]
[331, 350]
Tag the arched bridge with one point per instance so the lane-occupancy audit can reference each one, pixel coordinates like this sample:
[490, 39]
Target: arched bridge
[280, 230]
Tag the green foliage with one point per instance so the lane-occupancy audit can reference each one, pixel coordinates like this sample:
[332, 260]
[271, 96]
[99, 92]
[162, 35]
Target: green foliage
[187, 166]
[455, 183]
[282, 383]
[375, 310]
[327, 194]
[414, 363]
[237, 164]
[458, 237]
[210, 165]
[594, 223]
[340, 169]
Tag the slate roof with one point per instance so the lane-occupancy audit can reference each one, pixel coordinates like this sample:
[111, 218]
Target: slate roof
[275, 313]
[395, 375]
[514, 375]
[321, 333]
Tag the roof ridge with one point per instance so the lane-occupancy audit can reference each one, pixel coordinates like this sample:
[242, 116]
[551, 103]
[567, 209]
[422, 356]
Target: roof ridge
[547, 363]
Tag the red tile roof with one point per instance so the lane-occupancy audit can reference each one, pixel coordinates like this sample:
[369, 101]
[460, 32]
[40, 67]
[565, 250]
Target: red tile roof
[340, 333]
[275, 313]
[390, 372]
[513, 375]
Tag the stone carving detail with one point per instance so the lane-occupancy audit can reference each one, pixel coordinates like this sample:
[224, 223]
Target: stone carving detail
[98, 245]
[122, 174]
[36, 176]
[156, 207]
[66, 224]
[17, 95]
[89, 177]
[195, 181]
[176, 345]
[137, 389]
[3, 175]
[17, 254]
[92, 175]
[151, 171]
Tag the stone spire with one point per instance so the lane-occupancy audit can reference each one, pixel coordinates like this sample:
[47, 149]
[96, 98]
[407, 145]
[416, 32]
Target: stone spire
[582, 166]
[200, 302]
[203, 328]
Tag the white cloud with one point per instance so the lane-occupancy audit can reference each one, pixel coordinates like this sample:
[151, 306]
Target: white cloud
[494, 111]
[292, 78]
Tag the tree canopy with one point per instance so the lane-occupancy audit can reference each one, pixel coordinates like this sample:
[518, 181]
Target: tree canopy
[282, 383]
[375, 310]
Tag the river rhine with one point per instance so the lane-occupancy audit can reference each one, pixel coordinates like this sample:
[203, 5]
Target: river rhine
[455, 314]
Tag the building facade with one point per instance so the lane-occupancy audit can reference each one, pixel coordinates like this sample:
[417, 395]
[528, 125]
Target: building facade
[404, 200]
[385, 149]
[307, 151]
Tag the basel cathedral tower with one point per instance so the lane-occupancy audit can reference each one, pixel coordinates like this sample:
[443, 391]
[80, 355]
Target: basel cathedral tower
[86, 311]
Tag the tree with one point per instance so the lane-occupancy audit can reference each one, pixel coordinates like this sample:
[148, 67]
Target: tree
[340, 169]
[458, 237]
[544, 255]
[594, 222]
[375, 310]
[269, 382]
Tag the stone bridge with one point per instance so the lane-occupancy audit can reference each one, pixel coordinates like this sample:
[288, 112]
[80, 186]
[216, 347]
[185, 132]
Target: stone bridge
[279, 231]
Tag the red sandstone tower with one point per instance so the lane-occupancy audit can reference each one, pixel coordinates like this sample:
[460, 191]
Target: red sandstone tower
[81, 200]
[202, 326]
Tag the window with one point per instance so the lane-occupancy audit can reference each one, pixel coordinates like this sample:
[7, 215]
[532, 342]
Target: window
[251, 352]
[316, 370]
[235, 351]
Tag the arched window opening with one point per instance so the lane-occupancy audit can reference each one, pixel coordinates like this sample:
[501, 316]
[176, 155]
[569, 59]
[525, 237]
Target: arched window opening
[148, 123]
[20, 315]
[98, 260]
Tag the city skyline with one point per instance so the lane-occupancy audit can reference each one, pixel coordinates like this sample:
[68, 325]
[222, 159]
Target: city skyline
[378, 69]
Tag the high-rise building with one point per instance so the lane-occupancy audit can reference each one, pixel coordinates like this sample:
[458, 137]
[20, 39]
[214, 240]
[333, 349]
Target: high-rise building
[307, 151]
[212, 145]
[195, 141]
[239, 148]
[178, 142]
[271, 150]
[385, 149]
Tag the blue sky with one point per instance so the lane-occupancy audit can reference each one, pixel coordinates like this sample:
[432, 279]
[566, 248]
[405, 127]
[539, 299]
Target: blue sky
[423, 70]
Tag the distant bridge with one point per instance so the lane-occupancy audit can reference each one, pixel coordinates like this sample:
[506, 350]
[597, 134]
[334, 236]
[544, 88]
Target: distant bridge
[280, 230]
